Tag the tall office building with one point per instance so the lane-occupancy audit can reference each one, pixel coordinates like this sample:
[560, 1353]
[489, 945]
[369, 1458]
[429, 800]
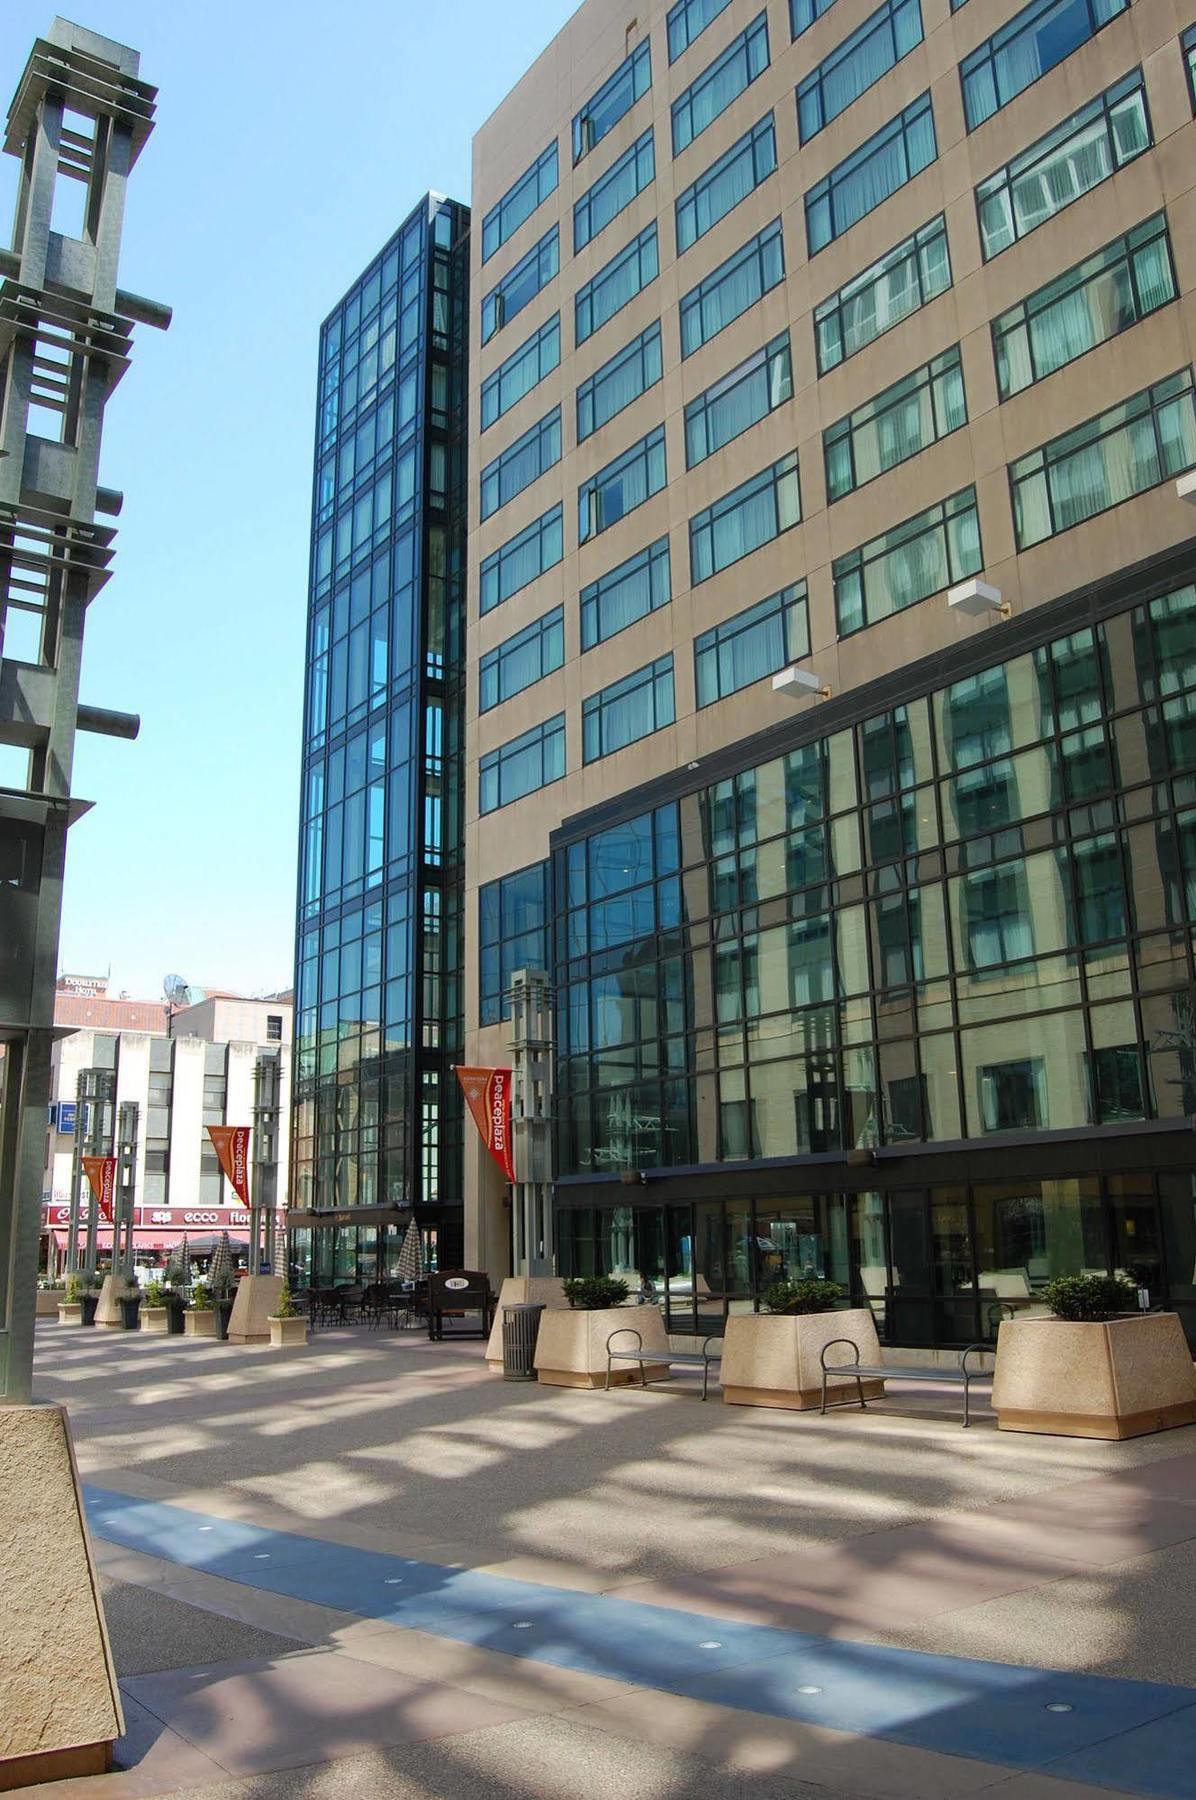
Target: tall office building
[376, 1112]
[852, 340]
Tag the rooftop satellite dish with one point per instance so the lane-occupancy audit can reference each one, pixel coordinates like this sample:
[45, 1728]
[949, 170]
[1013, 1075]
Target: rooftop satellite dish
[176, 991]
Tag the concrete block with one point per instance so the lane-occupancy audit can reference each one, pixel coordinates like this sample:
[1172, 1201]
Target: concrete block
[199, 1322]
[70, 1312]
[1117, 1378]
[256, 1299]
[571, 1348]
[108, 1313]
[518, 1290]
[60, 1708]
[155, 1319]
[48, 1302]
[288, 1334]
[773, 1359]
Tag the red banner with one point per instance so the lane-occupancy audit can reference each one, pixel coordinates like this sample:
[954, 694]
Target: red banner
[101, 1178]
[231, 1143]
[488, 1097]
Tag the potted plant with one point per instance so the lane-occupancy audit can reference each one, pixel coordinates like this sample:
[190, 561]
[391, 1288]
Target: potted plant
[1096, 1367]
[571, 1346]
[89, 1299]
[130, 1306]
[175, 1301]
[774, 1358]
[199, 1320]
[155, 1315]
[50, 1295]
[70, 1307]
[288, 1326]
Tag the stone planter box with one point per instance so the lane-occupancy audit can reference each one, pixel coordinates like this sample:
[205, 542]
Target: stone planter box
[1119, 1378]
[49, 1301]
[199, 1321]
[772, 1359]
[519, 1290]
[155, 1319]
[287, 1334]
[571, 1347]
[70, 1312]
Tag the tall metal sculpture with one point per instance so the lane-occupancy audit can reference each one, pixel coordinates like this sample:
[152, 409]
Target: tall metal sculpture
[78, 122]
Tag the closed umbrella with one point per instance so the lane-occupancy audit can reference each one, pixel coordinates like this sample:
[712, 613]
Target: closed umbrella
[411, 1254]
[220, 1270]
[178, 1264]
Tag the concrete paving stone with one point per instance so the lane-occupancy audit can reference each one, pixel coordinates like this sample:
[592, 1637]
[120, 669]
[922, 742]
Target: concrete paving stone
[317, 1705]
[150, 1631]
[1145, 1761]
[1094, 1524]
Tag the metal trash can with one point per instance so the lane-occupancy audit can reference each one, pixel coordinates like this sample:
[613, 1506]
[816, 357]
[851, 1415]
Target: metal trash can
[520, 1329]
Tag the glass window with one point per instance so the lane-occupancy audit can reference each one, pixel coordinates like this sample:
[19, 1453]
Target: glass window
[1080, 153]
[619, 281]
[750, 515]
[521, 559]
[720, 188]
[710, 94]
[871, 303]
[1096, 300]
[519, 287]
[1189, 49]
[520, 201]
[888, 34]
[915, 412]
[621, 486]
[728, 291]
[688, 20]
[802, 14]
[523, 659]
[1135, 446]
[617, 599]
[752, 644]
[615, 189]
[512, 935]
[519, 767]
[739, 400]
[617, 95]
[521, 463]
[1025, 48]
[522, 371]
[865, 179]
[630, 372]
[627, 710]
[923, 556]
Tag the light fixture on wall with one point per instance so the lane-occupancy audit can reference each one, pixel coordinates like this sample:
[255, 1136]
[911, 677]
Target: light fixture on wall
[800, 684]
[977, 600]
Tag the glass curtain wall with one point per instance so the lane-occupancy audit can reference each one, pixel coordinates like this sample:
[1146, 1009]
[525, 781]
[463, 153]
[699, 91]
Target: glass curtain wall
[377, 1118]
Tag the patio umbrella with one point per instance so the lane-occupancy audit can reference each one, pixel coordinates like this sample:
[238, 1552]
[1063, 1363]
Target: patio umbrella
[220, 1270]
[411, 1254]
[178, 1264]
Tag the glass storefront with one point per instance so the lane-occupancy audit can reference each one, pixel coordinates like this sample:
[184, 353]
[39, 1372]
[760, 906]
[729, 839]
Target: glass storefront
[941, 1265]
[339, 1255]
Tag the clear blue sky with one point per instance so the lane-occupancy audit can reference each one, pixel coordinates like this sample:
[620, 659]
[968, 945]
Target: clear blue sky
[292, 138]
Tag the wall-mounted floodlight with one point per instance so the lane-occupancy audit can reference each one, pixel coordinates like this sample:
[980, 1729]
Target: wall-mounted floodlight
[800, 684]
[1185, 487]
[977, 599]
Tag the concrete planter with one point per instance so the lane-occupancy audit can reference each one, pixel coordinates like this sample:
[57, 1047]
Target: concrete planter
[155, 1319]
[571, 1347]
[287, 1334]
[1119, 1378]
[519, 1290]
[70, 1312]
[49, 1300]
[253, 1308]
[199, 1321]
[108, 1311]
[772, 1359]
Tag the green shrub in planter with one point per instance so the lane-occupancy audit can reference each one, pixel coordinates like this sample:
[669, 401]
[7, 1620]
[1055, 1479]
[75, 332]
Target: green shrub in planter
[591, 1293]
[155, 1294]
[286, 1308]
[1090, 1298]
[74, 1291]
[201, 1297]
[803, 1296]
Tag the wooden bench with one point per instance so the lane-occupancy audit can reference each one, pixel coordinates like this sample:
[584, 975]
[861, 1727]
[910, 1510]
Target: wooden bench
[697, 1359]
[961, 1376]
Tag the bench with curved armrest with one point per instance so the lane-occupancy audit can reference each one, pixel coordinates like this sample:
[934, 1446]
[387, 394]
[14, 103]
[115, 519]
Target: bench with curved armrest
[698, 1359]
[859, 1372]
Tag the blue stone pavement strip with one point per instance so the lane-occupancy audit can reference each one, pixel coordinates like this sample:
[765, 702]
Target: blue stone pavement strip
[1135, 1737]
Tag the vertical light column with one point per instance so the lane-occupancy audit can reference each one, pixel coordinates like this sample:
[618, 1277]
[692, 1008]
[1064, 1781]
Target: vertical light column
[534, 1251]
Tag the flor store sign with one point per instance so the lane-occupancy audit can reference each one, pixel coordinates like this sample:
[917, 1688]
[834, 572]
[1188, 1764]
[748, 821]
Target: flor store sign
[203, 1218]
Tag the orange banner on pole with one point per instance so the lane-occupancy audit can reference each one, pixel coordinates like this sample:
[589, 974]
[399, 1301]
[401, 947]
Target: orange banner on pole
[488, 1097]
[231, 1144]
[101, 1179]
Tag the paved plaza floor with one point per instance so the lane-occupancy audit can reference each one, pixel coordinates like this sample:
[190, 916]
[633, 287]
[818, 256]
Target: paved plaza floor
[371, 1569]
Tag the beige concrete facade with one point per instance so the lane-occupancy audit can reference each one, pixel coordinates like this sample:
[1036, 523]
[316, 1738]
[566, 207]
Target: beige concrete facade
[593, 44]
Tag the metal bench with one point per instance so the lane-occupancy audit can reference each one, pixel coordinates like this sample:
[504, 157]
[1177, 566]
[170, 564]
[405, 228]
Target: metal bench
[858, 1371]
[697, 1359]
